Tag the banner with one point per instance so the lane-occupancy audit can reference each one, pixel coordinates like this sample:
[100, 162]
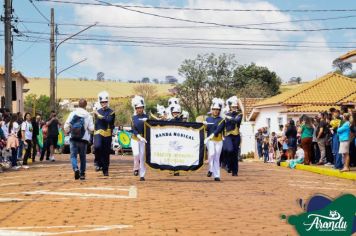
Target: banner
[174, 145]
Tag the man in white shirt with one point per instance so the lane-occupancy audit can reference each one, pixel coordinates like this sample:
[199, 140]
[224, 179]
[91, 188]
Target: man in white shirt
[79, 125]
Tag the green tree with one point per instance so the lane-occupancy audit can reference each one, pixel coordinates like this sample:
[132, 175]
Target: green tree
[342, 66]
[253, 74]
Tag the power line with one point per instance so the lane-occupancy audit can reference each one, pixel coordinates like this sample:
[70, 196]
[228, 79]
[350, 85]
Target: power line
[38, 10]
[98, 37]
[146, 45]
[183, 27]
[208, 23]
[202, 43]
[102, 3]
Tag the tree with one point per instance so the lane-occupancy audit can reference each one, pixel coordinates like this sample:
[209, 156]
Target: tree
[145, 80]
[342, 66]
[209, 76]
[155, 81]
[147, 91]
[171, 79]
[295, 80]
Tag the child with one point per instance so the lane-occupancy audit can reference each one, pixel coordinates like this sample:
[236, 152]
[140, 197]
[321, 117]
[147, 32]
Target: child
[265, 146]
[271, 153]
[299, 155]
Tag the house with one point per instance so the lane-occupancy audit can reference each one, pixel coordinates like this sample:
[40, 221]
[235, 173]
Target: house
[18, 82]
[331, 90]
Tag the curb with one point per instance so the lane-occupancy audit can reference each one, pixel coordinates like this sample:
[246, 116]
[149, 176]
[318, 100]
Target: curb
[324, 171]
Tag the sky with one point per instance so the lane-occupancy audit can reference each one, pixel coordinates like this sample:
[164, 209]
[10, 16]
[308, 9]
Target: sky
[155, 52]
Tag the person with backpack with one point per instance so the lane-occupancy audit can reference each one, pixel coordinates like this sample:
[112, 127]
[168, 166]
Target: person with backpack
[79, 124]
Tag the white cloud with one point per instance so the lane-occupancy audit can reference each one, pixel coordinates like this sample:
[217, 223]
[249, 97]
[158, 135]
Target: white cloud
[156, 62]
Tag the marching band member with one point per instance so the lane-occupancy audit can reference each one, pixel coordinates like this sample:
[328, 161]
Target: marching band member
[137, 140]
[104, 124]
[214, 141]
[176, 113]
[185, 116]
[231, 143]
[176, 117]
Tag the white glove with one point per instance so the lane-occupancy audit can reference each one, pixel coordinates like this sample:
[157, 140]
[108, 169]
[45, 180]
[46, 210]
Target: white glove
[228, 117]
[208, 138]
[205, 123]
[143, 119]
[142, 139]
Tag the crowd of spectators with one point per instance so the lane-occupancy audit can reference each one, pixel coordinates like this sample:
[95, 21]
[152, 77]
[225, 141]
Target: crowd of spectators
[18, 138]
[326, 139]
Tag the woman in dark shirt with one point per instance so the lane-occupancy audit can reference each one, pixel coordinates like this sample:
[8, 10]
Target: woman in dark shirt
[291, 135]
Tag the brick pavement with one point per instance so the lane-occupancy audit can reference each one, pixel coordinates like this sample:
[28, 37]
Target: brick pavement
[46, 198]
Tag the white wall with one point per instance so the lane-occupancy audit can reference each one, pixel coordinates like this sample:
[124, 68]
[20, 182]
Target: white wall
[272, 113]
[247, 137]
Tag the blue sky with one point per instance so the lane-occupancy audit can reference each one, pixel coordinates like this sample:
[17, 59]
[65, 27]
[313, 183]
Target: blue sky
[132, 62]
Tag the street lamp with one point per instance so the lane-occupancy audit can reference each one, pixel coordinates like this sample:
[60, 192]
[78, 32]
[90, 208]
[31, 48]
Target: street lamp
[56, 49]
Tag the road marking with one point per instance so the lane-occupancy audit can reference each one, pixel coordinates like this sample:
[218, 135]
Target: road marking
[9, 231]
[131, 190]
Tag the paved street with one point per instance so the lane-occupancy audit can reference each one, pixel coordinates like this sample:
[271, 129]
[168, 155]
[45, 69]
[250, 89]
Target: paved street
[46, 199]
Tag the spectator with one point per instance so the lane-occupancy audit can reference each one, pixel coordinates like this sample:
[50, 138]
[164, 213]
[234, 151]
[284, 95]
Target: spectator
[291, 135]
[334, 125]
[36, 124]
[79, 124]
[12, 140]
[306, 131]
[259, 141]
[265, 146]
[26, 134]
[52, 138]
[344, 138]
[353, 140]
[321, 137]
[271, 153]
[19, 136]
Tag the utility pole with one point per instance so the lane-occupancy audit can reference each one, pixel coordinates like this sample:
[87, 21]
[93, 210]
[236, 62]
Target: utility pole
[8, 54]
[52, 83]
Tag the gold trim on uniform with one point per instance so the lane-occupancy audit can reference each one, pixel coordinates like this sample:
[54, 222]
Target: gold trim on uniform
[104, 133]
[233, 132]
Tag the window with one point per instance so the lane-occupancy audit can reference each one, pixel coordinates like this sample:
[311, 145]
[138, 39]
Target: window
[268, 123]
[280, 121]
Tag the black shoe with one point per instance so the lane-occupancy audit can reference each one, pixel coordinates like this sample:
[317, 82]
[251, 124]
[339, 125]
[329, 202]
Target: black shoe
[217, 179]
[76, 174]
[209, 174]
[142, 178]
[176, 173]
[234, 174]
[97, 168]
[229, 171]
[106, 173]
[33, 160]
[41, 159]
[82, 176]
[136, 173]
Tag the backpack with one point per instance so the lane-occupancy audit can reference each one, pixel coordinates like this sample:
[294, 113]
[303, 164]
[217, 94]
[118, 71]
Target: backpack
[77, 130]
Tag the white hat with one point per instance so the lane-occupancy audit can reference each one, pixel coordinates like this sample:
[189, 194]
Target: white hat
[232, 101]
[161, 110]
[137, 101]
[103, 97]
[176, 108]
[173, 101]
[185, 115]
[217, 103]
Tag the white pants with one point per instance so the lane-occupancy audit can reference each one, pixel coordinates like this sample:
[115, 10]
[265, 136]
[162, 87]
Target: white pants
[138, 151]
[214, 151]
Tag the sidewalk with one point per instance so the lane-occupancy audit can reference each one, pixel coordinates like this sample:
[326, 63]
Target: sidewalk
[323, 170]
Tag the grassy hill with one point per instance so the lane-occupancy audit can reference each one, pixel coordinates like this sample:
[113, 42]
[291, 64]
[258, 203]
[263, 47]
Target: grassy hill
[287, 87]
[73, 88]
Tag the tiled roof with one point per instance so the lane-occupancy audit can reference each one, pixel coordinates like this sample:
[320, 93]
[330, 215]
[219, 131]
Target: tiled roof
[327, 90]
[248, 104]
[310, 108]
[349, 99]
[14, 73]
